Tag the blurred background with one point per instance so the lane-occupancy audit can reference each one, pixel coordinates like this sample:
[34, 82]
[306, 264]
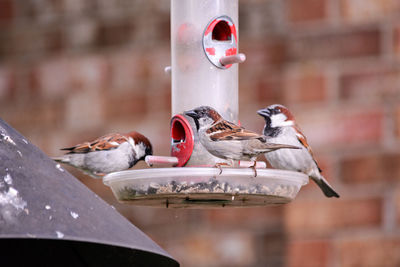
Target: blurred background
[72, 70]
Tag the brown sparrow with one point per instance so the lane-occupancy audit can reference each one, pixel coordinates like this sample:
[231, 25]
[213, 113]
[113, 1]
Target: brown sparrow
[227, 140]
[109, 153]
[281, 127]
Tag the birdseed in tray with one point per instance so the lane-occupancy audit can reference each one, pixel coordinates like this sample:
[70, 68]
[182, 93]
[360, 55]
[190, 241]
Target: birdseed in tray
[204, 187]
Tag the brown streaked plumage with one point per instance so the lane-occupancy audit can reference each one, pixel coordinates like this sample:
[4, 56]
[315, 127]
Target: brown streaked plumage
[227, 140]
[104, 142]
[225, 130]
[108, 153]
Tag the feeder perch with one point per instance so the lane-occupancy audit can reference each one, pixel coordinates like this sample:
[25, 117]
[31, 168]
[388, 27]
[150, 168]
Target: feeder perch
[204, 71]
[49, 218]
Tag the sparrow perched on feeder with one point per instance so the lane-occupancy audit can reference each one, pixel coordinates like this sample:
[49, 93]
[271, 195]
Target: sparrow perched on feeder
[227, 140]
[109, 153]
[281, 127]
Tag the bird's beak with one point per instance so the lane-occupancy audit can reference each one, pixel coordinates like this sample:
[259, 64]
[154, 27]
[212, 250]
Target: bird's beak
[192, 113]
[195, 116]
[264, 112]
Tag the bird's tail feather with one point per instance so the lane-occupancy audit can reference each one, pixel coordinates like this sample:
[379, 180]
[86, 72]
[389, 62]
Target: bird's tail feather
[272, 146]
[60, 159]
[325, 187]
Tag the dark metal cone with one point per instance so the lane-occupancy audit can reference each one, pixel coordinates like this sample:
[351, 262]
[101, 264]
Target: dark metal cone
[49, 218]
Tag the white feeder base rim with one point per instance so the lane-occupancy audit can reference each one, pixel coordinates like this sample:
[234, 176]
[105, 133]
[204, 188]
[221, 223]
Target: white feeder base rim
[197, 187]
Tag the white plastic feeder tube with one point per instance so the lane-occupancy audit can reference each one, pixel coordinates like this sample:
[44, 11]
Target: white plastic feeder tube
[195, 80]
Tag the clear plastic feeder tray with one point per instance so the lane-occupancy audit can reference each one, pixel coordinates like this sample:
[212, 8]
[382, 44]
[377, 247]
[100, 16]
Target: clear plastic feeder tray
[203, 187]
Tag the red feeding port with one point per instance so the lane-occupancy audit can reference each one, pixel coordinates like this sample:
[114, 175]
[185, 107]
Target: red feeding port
[220, 42]
[221, 31]
[178, 132]
[181, 139]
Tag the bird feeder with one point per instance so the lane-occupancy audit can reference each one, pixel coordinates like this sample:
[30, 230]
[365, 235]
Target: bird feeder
[204, 71]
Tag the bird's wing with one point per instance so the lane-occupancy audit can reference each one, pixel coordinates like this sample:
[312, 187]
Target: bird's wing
[105, 142]
[225, 130]
[303, 140]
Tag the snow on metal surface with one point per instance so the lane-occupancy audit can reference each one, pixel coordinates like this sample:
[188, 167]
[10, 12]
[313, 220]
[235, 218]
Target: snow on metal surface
[74, 215]
[7, 179]
[5, 137]
[58, 166]
[11, 203]
[59, 234]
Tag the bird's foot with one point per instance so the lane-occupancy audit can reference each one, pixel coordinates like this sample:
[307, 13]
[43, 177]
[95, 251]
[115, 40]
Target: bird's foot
[219, 166]
[254, 168]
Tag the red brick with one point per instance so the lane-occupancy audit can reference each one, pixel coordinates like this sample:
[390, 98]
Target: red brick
[20, 43]
[261, 217]
[369, 252]
[162, 28]
[221, 248]
[397, 206]
[114, 34]
[80, 34]
[354, 127]
[78, 7]
[275, 52]
[396, 39]
[52, 77]
[379, 83]
[258, 18]
[7, 84]
[381, 168]
[271, 250]
[368, 10]
[84, 110]
[312, 88]
[90, 72]
[306, 10]
[397, 122]
[54, 41]
[167, 98]
[269, 53]
[128, 71]
[313, 253]
[360, 127]
[269, 89]
[7, 11]
[323, 217]
[120, 106]
[336, 45]
[35, 115]
[306, 85]
[60, 76]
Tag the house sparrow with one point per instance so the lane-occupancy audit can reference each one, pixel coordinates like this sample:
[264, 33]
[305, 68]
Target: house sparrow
[227, 140]
[281, 127]
[109, 153]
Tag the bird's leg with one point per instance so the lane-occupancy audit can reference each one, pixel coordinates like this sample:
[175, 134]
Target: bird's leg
[219, 164]
[254, 168]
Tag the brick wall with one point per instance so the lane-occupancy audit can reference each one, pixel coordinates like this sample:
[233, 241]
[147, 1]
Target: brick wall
[73, 70]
